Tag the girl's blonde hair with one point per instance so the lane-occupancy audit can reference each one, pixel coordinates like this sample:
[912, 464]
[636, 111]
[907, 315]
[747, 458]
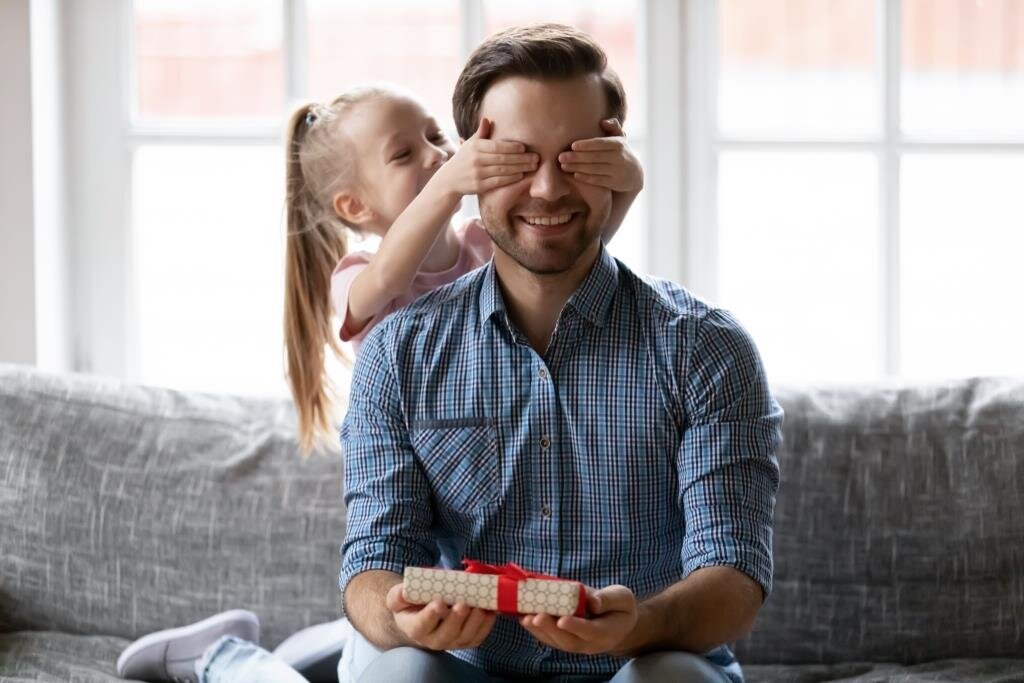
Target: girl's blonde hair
[319, 164]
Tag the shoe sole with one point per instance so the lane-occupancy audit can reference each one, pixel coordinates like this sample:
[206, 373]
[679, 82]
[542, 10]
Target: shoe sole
[238, 622]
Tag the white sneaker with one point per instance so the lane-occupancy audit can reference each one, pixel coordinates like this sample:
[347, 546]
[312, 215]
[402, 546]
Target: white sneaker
[315, 651]
[170, 655]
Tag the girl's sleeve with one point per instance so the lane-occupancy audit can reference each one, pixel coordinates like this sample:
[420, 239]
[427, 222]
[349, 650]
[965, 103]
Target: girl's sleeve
[478, 242]
[341, 283]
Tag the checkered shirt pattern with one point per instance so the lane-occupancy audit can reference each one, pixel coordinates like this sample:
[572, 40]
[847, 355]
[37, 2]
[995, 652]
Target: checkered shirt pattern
[638, 448]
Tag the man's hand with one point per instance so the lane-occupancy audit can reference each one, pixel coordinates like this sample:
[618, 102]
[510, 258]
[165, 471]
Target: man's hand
[436, 626]
[606, 162]
[613, 613]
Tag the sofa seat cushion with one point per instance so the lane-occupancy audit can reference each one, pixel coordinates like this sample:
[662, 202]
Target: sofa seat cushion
[55, 657]
[960, 670]
[127, 509]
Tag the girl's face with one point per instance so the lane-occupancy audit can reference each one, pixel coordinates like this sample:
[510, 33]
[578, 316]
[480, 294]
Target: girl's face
[398, 147]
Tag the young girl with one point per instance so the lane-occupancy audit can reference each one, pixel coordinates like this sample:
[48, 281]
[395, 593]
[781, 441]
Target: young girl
[373, 161]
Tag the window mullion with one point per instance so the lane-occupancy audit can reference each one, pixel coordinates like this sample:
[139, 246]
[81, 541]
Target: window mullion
[889, 23]
[471, 18]
[700, 149]
[296, 54]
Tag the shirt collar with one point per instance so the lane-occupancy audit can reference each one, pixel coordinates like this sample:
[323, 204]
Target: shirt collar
[591, 300]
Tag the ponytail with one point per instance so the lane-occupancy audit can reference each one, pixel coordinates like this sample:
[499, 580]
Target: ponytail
[316, 241]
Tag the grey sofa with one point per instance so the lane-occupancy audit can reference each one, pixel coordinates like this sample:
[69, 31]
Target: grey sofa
[899, 540]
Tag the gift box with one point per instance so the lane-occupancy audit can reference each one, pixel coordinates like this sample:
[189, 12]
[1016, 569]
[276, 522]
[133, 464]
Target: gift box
[508, 589]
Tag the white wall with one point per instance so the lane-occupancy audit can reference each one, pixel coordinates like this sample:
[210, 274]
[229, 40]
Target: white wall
[34, 314]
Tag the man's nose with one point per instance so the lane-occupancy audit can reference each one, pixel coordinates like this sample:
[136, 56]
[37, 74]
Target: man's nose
[549, 182]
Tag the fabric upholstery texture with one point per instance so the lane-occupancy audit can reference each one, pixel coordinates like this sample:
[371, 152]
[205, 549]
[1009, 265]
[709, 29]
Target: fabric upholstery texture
[899, 525]
[126, 509]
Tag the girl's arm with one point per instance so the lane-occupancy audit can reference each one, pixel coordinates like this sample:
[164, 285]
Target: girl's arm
[479, 165]
[607, 162]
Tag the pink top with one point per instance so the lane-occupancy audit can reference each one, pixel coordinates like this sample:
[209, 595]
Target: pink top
[475, 249]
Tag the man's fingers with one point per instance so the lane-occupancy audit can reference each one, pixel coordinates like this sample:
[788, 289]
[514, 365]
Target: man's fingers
[539, 632]
[584, 629]
[545, 628]
[474, 630]
[421, 624]
[395, 599]
[614, 599]
[448, 630]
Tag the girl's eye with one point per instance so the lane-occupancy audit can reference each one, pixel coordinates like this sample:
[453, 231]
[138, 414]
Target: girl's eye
[438, 137]
[400, 155]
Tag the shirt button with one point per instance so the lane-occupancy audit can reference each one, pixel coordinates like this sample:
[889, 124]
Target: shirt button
[545, 511]
[543, 373]
[545, 442]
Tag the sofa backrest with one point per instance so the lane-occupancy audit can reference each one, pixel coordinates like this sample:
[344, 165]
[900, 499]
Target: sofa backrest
[899, 525]
[899, 528]
[126, 509]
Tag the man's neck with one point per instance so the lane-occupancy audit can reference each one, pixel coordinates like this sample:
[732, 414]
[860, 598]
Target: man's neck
[535, 301]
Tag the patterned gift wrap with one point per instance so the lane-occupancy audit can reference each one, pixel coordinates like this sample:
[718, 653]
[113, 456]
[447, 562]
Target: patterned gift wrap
[532, 595]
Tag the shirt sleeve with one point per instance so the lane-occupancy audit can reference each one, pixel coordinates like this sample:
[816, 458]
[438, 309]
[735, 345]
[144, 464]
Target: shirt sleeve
[727, 464]
[386, 492]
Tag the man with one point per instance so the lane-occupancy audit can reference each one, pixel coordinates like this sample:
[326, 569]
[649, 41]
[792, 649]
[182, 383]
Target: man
[554, 410]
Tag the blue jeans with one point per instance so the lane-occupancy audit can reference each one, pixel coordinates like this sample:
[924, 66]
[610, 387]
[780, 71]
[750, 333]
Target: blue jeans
[362, 662]
[232, 660]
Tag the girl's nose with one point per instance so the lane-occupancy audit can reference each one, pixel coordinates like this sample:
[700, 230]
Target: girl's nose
[436, 156]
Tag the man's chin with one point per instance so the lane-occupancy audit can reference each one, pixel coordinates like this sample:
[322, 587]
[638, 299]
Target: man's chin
[546, 259]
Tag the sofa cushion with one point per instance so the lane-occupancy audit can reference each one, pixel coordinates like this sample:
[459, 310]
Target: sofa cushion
[127, 509]
[899, 525]
[959, 670]
[49, 657]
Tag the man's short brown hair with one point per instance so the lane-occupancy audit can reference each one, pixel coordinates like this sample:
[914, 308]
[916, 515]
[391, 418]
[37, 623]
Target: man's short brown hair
[540, 51]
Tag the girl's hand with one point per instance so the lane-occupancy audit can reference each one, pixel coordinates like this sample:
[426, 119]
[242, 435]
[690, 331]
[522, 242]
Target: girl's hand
[482, 164]
[606, 162]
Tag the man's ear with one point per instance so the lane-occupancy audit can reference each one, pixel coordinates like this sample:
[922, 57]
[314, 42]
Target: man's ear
[352, 210]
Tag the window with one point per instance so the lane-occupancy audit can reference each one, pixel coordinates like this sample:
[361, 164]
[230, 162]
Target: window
[867, 158]
[206, 89]
[842, 174]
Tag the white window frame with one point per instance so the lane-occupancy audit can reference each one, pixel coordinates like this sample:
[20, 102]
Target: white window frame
[102, 138]
[678, 62]
[706, 143]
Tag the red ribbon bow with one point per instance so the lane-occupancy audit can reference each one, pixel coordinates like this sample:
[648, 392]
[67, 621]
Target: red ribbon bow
[509, 575]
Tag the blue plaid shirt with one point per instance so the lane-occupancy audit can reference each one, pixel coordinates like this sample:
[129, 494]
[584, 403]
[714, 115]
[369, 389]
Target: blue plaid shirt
[639, 448]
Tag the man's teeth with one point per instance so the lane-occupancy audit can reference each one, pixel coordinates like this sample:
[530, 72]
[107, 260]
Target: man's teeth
[548, 220]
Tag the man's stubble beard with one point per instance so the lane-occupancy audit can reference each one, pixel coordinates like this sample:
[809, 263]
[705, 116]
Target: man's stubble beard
[553, 259]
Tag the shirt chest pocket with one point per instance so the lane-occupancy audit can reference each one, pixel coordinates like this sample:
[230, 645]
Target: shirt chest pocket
[461, 461]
